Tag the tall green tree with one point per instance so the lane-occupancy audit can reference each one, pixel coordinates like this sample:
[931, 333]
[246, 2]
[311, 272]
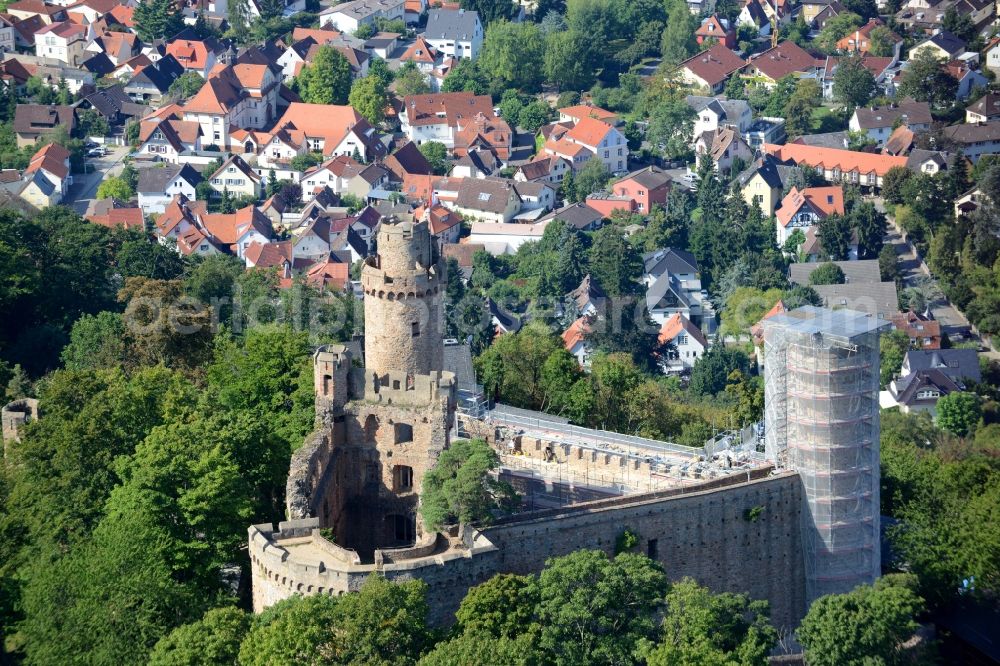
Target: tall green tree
[959, 412]
[369, 98]
[835, 237]
[853, 83]
[567, 60]
[704, 628]
[214, 639]
[614, 263]
[383, 623]
[491, 10]
[597, 610]
[459, 488]
[513, 56]
[870, 224]
[926, 81]
[866, 625]
[327, 80]
[157, 19]
[678, 41]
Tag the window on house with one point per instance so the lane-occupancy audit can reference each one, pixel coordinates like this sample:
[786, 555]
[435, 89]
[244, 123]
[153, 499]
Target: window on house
[926, 394]
[415, 329]
[402, 478]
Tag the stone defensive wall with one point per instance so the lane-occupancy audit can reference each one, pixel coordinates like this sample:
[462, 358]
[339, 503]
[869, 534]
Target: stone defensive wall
[739, 533]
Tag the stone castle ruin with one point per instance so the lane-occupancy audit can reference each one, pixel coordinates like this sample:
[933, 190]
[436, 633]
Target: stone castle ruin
[731, 517]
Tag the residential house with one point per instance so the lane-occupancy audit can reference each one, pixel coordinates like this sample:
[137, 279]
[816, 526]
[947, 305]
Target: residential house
[765, 130]
[477, 163]
[763, 182]
[484, 132]
[8, 34]
[984, 110]
[993, 55]
[152, 82]
[858, 271]
[711, 68]
[877, 299]
[715, 112]
[118, 215]
[34, 121]
[929, 375]
[970, 201]
[445, 225]
[236, 177]
[334, 130]
[537, 198]
[673, 286]
[117, 46]
[238, 230]
[804, 209]
[63, 41]
[500, 238]
[968, 77]
[488, 200]
[29, 9]
[165, 137]
[349, 16]
[769, 66]
[878, 122]
[195, 55]
[944, 45]
[847, 166]
[927, 161]
[924, 332]
[382, 44]
[440, 116]
[234, 96]
[578, 216]
[718, 29]
[456, 33]
[811, 10]
[884, 69]
[158, 186]
[588, 299]
[47, 177]
[113, 104]
[571, 115]
[724, 146]
[332, 174]
[602, 140]
[975, 140]
[407, 160]
[646, 187]
[607, 204]
[752, 14]
[544, 168]
[575, 340]
[685, 344]
[857, 41]
[424, 57]
[900, 142]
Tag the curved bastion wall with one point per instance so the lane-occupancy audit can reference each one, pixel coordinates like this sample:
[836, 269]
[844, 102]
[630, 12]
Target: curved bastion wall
[731, 534]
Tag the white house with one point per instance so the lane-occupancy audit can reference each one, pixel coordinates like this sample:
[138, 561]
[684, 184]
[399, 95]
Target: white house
[349, 16]
[804, 209]
[456, 33]
[686, 344]
[878, 122]
[63, 41]
[158, 186]
[713, 113]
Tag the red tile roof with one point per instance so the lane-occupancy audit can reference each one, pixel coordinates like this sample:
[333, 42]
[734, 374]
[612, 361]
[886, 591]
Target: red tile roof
[784, 59]
[713, 65]
[830, 158]
[824, 200]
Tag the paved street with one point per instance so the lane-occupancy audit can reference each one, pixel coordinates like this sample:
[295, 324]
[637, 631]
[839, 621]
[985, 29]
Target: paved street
[85, 186]
[916, 274]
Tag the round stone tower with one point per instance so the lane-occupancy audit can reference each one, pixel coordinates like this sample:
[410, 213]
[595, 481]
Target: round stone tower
[404, 284]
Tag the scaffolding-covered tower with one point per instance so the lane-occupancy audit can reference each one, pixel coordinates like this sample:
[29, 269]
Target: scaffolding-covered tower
[821, 419]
